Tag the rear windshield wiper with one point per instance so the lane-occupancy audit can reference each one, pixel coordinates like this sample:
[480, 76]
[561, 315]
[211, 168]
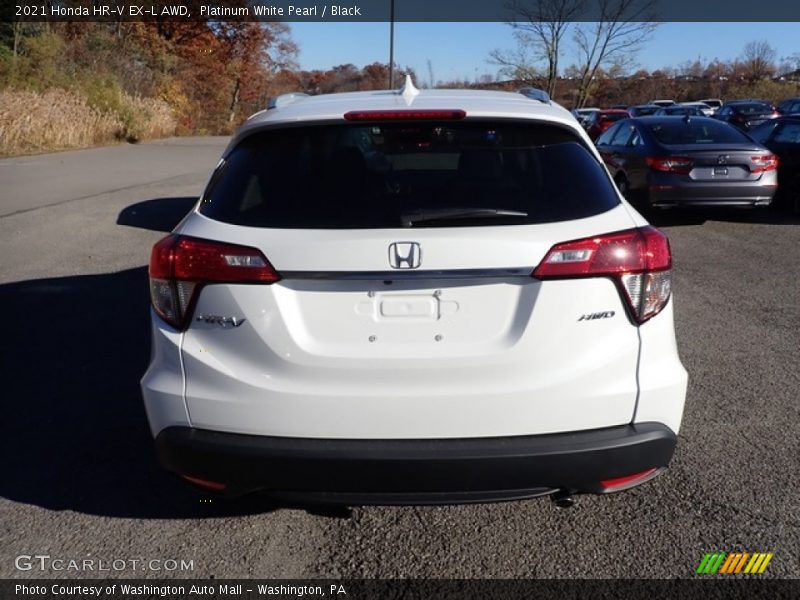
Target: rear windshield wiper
[435, 214]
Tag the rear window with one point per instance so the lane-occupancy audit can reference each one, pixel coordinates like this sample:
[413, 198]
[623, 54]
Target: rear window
[680, 110]
[613, 116]
[753, 108]
[643, 111]
[696, 131]
[401, 174]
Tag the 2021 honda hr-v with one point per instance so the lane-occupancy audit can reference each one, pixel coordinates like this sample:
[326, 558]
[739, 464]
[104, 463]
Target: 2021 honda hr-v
[408, 296]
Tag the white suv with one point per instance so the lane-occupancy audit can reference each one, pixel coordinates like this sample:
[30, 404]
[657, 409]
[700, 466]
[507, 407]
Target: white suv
[413, 297]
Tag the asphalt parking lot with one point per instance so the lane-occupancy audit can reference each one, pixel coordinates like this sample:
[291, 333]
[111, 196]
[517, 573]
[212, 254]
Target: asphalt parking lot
[80, 478]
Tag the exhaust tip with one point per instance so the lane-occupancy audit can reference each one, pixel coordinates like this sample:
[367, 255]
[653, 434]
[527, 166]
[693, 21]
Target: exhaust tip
[562, 499]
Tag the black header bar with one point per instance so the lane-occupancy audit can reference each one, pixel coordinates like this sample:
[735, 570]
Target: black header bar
[404, 10]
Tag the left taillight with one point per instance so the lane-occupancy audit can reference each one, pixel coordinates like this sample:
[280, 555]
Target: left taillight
[681, 165]
[638, 260]
[180, 266]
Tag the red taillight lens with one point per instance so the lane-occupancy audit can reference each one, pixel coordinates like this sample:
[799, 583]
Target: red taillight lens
[180, 265]
[623, 483]
[764, 162]
[670, 164]
[404, 115]
[639, 260]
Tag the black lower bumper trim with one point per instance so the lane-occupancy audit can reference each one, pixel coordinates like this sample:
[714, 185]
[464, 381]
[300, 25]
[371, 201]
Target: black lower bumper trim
[415, 471]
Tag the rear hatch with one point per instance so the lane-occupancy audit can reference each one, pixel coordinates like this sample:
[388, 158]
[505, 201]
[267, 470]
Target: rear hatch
[703, 150]
[406, 306]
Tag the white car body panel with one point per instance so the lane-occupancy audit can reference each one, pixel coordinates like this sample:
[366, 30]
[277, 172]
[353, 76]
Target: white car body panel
[512, 360]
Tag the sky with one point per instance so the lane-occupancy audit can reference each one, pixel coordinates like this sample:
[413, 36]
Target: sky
[460, 50]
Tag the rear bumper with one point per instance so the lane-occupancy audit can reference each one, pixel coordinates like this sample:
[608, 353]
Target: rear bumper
[436, 471]
[665, 193]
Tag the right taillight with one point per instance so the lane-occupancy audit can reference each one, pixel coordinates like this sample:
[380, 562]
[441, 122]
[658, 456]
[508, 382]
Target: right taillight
[180, 266]
[764, 162]
[638, 260]
[670, 164]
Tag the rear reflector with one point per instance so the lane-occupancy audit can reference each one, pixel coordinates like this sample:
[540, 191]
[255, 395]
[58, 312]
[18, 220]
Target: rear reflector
[628, 481]
[212, 486]
[638, 260]
[180, 266]
[404, 115]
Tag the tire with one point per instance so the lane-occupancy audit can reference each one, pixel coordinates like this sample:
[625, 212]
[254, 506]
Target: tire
[623, 186]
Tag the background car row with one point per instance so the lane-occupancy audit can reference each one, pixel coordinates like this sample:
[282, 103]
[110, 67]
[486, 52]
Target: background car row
[705, 153]
[744, 114]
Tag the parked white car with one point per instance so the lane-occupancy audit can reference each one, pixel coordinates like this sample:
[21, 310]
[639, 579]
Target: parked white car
[702, 106]
[714, 103]
[432, 296]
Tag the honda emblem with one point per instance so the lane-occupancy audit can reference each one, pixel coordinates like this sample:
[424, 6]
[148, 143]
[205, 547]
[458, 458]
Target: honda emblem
[405, 255]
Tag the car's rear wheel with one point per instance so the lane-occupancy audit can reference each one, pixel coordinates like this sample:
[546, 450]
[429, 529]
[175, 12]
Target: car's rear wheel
[623, 186]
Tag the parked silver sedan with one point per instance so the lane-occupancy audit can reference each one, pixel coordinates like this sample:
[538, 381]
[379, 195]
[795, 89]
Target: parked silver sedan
[680, 161]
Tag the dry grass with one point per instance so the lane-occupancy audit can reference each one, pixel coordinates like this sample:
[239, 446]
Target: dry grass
[159, 121]
[59, 119]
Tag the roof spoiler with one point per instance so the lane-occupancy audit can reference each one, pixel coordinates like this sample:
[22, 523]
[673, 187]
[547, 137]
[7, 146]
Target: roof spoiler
[285, 99]
[535, 94]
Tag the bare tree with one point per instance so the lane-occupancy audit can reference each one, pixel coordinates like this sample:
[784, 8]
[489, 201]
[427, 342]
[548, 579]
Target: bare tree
[691, 70]
[622, 29]
[519, 63]
[758, 58]
[541, 24]
[794, 61]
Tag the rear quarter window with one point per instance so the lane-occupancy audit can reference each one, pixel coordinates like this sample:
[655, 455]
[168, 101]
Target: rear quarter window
[373, 175]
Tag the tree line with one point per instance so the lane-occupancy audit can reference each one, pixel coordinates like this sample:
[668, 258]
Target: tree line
[211, 76]
[607, 49]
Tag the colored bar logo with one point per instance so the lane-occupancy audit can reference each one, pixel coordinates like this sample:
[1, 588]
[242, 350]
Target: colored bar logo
[734, 562]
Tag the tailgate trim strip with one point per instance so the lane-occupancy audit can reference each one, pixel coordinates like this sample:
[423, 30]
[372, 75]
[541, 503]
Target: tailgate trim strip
[491, 273]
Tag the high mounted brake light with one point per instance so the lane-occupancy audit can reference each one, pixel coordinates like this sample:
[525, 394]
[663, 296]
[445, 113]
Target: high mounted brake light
[638, 260]
[404, 115]
[180, 266]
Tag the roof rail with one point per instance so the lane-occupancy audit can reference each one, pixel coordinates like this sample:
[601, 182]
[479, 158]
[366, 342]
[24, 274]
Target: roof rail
[535, 94]
[285, 99]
